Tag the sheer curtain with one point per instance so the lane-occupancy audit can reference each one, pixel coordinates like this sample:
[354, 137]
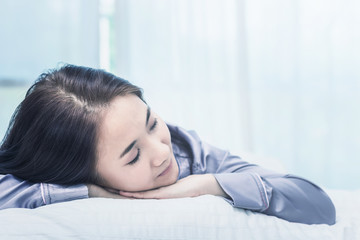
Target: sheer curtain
[304, 76]
[190, 61]
[38, 35]
[280, 78]
[277, 78]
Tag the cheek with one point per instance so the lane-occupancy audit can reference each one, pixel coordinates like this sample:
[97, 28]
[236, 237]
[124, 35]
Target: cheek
[165, 133]
[108, 171]
[127, 178]
[139, 178]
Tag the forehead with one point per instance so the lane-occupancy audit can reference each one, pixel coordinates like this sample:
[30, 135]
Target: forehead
[121, 121]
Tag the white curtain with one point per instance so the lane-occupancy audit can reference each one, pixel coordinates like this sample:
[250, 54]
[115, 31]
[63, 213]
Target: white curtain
[304, 73]
[278, 78]
[190, 61]
[38, 35]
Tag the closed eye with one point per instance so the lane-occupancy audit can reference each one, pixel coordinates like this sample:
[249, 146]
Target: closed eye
[154, 125]
[135, 159]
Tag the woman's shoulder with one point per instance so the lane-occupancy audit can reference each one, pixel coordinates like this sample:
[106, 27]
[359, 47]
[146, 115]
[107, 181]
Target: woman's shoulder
[181, 141]
[182, 134]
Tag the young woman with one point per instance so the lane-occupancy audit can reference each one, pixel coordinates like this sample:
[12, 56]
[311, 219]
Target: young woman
[83, 132]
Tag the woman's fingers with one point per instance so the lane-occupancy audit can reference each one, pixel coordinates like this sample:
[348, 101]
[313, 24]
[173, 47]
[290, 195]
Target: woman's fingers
[97, 191]
[143, 195]
[191, 186]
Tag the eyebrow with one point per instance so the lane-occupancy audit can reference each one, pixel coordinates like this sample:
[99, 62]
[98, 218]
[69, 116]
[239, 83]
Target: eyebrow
[128, 149]
[147, 115]
[132, 144]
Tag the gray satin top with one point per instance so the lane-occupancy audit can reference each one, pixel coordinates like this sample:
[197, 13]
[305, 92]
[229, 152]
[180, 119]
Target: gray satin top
[249, 186]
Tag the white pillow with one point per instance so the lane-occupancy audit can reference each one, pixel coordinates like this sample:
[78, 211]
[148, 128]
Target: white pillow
[206, 217]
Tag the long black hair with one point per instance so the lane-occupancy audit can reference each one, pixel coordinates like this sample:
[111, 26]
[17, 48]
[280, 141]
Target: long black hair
[52, 135]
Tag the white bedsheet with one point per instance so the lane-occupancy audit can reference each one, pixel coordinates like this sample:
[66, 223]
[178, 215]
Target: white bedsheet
[205, 217]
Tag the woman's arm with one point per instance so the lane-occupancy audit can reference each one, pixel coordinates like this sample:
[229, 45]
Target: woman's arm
[289, 197]
[17, 193]
[190, 186]
[250, 186]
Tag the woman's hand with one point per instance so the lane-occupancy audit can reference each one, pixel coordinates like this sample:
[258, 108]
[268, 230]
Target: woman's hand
[97, 191]
[191, 186]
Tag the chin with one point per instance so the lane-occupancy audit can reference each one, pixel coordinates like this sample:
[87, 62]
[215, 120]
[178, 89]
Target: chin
[172, 181]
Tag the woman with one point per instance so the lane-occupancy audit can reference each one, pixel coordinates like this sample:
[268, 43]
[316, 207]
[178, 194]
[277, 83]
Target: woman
[83, 132]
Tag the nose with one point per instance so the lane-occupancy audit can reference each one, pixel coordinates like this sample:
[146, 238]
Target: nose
[159, 152]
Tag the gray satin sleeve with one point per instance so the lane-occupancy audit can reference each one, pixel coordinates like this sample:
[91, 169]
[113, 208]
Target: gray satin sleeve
[283, 195]
[289, 197]
[252, 187]
[17, 193]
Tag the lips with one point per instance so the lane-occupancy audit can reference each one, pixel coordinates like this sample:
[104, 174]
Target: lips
[166, 170]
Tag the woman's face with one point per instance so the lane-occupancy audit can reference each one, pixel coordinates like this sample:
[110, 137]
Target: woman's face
[134, 147]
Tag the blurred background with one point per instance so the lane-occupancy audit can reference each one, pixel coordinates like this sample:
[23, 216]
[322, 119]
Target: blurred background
[278, 78]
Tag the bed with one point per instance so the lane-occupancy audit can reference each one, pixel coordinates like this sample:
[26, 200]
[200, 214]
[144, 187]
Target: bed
[204, 217]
